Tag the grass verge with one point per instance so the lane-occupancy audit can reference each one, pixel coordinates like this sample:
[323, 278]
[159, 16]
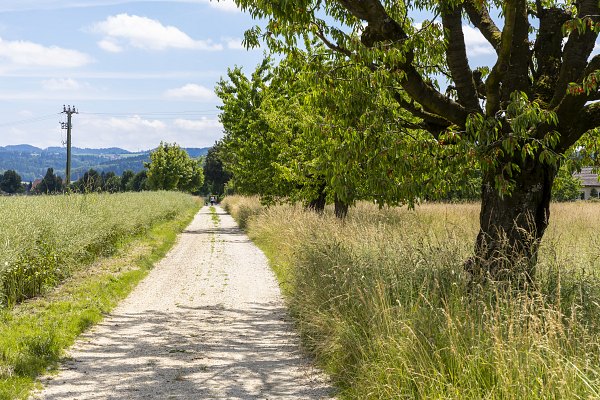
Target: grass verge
[34, 334]
[382, 302]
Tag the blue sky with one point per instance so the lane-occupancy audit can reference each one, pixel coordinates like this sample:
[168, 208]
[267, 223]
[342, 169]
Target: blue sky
[138, 71]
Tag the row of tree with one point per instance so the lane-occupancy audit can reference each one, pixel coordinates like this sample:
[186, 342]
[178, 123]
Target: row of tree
[10, 182]
[370, 102]
[170, 168]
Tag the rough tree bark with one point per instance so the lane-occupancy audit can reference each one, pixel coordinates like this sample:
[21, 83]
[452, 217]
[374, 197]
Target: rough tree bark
[511, 227]
[340, 208]
[318, 204]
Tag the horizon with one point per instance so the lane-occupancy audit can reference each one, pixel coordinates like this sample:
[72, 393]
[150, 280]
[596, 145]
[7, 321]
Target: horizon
[100, 148]
[138, 71]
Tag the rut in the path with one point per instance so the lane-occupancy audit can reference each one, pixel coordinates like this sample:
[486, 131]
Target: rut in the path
[207, 323]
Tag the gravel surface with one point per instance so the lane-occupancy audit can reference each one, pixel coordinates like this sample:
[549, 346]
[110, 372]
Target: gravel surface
[207, 323]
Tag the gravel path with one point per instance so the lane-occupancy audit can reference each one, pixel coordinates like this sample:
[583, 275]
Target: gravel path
[207, 323]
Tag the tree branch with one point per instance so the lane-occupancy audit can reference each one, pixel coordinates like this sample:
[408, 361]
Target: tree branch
[499, 70]
[456, 56]
[517, 76]
[576, 51]
[431, 122]
[548, 50]
[480, 17]
[569, 109]
[382, 28]
[587, 118]
[335, 47]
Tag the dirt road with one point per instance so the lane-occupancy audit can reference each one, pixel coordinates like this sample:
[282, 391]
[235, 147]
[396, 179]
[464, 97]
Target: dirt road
[207, 323]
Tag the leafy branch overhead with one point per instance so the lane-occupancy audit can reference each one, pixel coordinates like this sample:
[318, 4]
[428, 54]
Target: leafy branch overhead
[385, 37]
[399, 72]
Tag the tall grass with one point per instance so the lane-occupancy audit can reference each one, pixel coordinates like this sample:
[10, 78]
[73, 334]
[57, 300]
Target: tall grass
[34, 334]
[42, 239]
[382, 301]
[243, 208]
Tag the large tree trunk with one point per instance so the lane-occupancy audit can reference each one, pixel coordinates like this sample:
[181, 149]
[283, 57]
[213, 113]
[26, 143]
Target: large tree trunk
[341, 208]
[318, 204]
[512, 226]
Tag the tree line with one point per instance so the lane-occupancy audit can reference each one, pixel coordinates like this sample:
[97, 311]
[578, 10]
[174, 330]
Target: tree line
[170, 168]
[369, 101]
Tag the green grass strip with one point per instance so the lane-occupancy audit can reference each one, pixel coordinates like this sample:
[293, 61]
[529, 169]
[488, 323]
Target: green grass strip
[34, 335]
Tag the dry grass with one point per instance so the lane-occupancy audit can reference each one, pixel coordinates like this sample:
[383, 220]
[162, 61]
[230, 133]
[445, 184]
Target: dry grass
[382, 302]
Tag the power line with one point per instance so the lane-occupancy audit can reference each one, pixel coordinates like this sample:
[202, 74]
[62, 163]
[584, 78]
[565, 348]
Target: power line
[163, 115]
[157, 114]
[29, 120]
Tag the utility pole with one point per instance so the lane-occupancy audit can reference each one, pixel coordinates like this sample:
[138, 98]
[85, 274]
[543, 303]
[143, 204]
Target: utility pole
[68, 125]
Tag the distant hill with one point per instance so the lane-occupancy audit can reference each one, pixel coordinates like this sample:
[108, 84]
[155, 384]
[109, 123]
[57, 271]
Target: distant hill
[77, 150]
[32, 162]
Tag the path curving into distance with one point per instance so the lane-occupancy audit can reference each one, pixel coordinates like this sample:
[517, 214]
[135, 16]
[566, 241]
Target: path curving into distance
[207, 323]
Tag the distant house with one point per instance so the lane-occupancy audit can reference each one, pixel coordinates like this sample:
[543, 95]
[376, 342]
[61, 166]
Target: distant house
[35, 183]
[590, 187]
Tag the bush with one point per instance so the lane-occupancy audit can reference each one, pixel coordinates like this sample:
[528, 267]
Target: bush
[242, 209]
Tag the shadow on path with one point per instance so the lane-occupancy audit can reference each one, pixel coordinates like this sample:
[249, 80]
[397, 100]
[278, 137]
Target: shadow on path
[208, 323]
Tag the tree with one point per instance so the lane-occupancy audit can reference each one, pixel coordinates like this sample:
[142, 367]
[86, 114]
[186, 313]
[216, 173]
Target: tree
[50, 184]
[215, 177]
[516, 119]
[91, 181]
[112, 183]
[566, 187]
[171, 168]
[263, 145]
[248, 149]
[139, 182]
[126, 177]
[288, 135]
[10, 182]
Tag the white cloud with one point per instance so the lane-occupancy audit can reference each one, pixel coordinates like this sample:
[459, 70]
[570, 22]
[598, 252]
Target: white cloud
[26, 113]
[191, 91]
[61, 84]
[117, 75]
[234, 43]
[225, 5]
[29, 54]
[477, 44]
[110, 46]
[148, 34]
[136, 133]
[134, 123]
[198, 125]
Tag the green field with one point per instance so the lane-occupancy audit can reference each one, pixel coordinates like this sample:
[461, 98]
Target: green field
[45, 237]
[383, 303]
[77, 255]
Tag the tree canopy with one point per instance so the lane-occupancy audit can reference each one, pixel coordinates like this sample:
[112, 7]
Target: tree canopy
[171, 168]
[382, 102]
[51, 183]
[215, 176]
[10, 182]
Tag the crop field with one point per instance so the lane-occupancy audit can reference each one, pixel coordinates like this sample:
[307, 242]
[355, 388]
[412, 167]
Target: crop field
[105, 244]
[383, 303]
[44, 238]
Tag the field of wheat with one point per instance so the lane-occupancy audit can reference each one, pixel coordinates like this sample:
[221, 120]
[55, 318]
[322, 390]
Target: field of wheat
[43, 238]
